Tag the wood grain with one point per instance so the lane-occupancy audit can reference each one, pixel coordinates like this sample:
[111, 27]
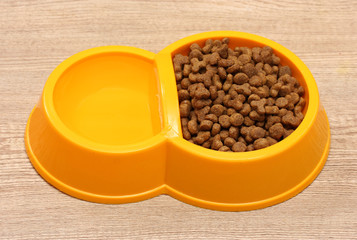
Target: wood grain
[35, 36]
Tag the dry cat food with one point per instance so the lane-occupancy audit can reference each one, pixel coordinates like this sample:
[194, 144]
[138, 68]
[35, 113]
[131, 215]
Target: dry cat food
[238, 99]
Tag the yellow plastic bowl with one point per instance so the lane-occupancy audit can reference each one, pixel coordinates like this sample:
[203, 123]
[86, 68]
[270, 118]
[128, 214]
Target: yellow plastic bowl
[107, 129]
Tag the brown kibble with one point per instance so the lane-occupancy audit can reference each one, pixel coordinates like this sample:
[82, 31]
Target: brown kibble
[250, 148]
[256, 81]
[260, 143]
[239, 147]
[217, 82]
[254, 115]
[178, 61]
[259, 105]
[206, 125]
[217, 109]
[201, 93]
[276, 131]
[253, 97]
[185, 83]
[284, 70]
[271, 141]
[257, 132]
[229, 142]
[213, 92]
[236, 104]
[207, 144]
[271, 120]
[271, 80]
[224, 120]
[244, 89]
[192, 126]
[224, 149]
[202, 137]
[216, 144]
[220, 96]
[287, 132]
[236, 119]
[228, 83]
[240, 78]
[200, 103]
[185, 110]
[216, 128]
[201, 113]
[248, 121]
[211, 117]
[196, 54]
[260, 124]
[290, 120]
[183, 95]
[186, 70]
[284, 90]
[231, 111]
[249, 70]
[245, 109]
[208, 46]
[222, 73]
[224, 134]
[281, 102]
[301, 91]
[271, 110]
[233, 132]
[244, 58]
[282, 112]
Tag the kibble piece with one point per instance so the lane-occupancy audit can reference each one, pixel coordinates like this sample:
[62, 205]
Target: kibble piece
[271, 110]
[260, 143]
[224, 149]
[233, 132]
[284, 70]
[202, 137]
[281, 102]
[211, 117]
[287, 132]
[224, 134]
[185, 83]
[245, 109]
[290, 120]
[256, 81]
[239, 147]
[224, 120]
[216, 128]
[250, 148]
[229, 142]
[206, 125]
[201, 93]
[276, 131]
[192, 126]
[183, 95]
[185, 110]
[222, 73]
[271, 141]
[231, 111]
[248, 121]
[257, 132]
[217, 110]
[240, 78]
[236, 119]
[249, 70]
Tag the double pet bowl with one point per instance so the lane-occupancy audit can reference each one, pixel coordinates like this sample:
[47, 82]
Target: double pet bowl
[107, 129]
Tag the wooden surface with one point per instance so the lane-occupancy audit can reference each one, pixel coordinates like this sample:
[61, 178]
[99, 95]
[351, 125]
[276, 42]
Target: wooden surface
[35, 36]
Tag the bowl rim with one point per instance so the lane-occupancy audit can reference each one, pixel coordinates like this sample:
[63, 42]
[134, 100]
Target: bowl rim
[304, 127]
[62, 129]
